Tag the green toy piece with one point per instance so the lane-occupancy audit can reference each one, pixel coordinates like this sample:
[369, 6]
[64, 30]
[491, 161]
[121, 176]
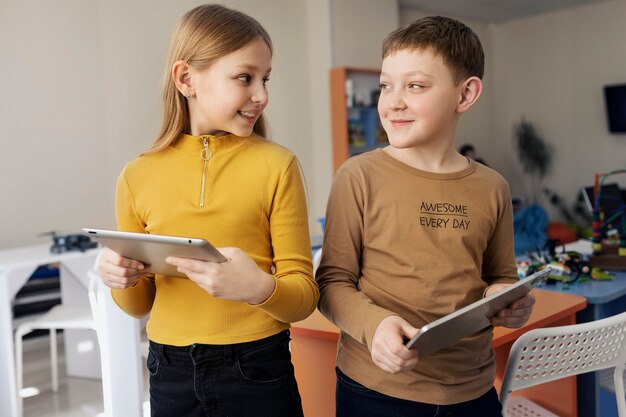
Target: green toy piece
[600, 275]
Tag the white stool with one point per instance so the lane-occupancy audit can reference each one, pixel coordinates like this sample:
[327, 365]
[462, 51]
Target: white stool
[58, 317]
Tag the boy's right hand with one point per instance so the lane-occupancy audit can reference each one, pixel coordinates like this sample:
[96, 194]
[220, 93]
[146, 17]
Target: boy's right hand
[388, 350]
[119, 272]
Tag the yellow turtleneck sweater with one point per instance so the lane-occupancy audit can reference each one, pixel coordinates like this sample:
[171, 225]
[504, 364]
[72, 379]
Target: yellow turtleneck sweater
[247, 194]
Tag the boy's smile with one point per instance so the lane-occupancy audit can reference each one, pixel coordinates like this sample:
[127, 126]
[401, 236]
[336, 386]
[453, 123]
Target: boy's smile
[400, 122]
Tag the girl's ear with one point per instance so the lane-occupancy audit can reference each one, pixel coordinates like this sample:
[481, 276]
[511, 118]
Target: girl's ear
[181, 74]
[470, 91]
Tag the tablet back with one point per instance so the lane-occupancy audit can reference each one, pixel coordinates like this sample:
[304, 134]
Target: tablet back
[151, 249]
[470, 319]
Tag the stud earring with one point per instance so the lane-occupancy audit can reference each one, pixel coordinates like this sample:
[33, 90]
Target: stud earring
[189, 94]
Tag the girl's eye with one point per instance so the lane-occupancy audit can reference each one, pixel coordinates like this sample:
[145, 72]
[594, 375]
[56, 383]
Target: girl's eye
[245, 78]
[265, 81]
[384, 86]
[414, 86]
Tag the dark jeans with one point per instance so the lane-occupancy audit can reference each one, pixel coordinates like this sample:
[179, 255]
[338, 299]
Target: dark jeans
[239, 380]
[355, 400]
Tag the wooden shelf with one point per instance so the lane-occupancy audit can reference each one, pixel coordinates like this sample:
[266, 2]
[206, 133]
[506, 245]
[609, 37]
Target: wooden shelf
[364, 80]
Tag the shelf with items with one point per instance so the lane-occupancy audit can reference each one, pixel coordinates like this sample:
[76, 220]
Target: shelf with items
[356, 126]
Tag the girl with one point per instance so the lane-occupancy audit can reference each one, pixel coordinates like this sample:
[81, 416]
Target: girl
[211, 174]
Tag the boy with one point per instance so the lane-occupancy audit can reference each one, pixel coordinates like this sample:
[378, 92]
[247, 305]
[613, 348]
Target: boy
[415, 231]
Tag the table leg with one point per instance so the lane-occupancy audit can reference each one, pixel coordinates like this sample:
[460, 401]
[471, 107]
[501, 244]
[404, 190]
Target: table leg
[10, 283]
[122, 367]
[8, 393]
[82, 353]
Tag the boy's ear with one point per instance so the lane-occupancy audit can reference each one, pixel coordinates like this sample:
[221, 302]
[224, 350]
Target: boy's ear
[470, 91]
[181, 74]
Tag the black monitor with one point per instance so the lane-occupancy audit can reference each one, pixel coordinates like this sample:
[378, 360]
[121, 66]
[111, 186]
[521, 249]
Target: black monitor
[615, 100]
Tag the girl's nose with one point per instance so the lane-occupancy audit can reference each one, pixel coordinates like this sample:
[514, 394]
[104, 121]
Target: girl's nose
[260, 95]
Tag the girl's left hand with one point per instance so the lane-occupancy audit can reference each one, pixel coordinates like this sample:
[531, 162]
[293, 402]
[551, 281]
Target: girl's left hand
[238, 279]
[516, 314]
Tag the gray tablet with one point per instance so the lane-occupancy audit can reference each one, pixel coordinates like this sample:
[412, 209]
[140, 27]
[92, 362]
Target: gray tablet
[153, 249]
[472, 318]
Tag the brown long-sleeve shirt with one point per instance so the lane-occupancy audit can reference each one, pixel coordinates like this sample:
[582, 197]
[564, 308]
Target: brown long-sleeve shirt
[419, 245]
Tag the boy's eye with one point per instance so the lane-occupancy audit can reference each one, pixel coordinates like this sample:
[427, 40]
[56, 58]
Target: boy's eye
[414, 86]
[265, 81]
[245, 78]
[384, 86]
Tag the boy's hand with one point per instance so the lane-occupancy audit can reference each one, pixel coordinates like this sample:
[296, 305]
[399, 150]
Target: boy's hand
[238, 279]
[388, 350]
[516, 314]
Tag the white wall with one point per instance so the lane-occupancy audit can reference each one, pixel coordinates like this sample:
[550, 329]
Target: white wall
[359, 27]
[81, 94]
[319, 63]
[551, 69]
[82, 97]
[54, 163]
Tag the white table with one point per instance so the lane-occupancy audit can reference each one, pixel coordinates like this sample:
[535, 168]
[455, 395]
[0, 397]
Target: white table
[120, 357]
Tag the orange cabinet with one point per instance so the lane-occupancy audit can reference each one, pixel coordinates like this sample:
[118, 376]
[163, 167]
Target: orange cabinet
[355, 124]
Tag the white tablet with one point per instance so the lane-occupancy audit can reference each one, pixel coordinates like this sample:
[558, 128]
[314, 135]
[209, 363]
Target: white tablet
[472, 318]
[152, 249]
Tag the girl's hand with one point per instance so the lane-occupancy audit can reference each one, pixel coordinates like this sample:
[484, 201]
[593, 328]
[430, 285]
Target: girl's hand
[238, 279]
[119, 272]
[388, 350]
[516, 314]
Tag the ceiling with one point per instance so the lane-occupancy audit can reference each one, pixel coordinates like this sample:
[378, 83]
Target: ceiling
[492, 10]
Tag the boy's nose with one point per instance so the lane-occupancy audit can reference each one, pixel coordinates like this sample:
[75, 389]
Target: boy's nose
[397, 101]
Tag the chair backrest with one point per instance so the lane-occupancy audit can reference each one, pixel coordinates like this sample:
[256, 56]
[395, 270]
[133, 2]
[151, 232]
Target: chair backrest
[544, 355]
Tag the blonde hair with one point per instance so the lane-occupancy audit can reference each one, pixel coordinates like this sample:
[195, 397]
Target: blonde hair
[203, 35]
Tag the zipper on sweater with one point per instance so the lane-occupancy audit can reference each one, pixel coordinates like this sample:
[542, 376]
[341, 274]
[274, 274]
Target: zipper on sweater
[205, 155]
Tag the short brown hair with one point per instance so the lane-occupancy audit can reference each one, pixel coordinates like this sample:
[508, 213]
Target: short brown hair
[454, 42]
